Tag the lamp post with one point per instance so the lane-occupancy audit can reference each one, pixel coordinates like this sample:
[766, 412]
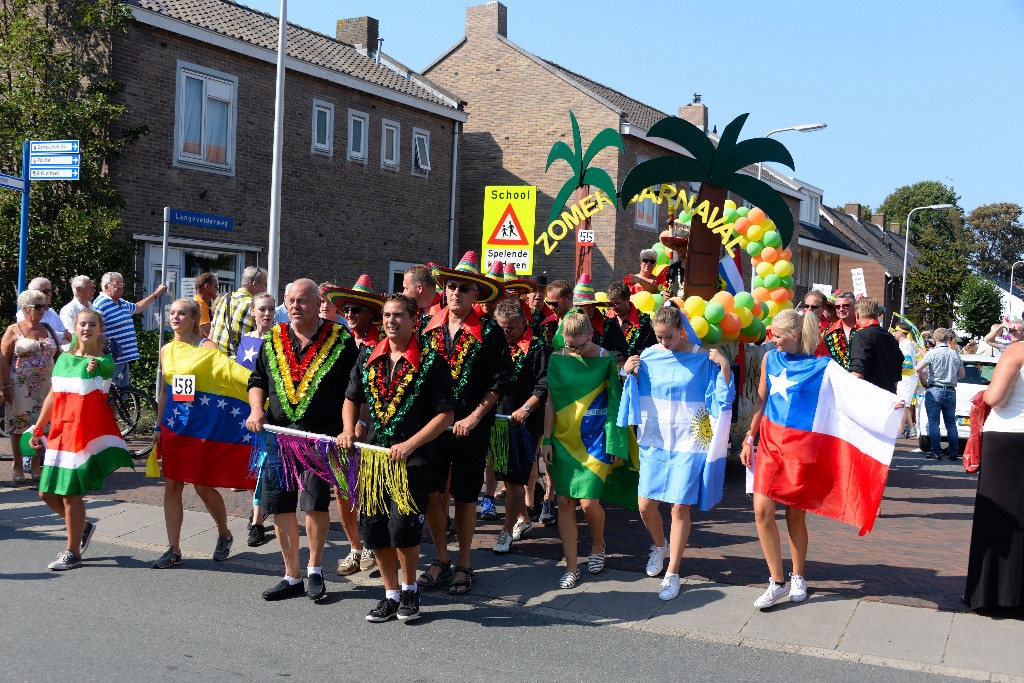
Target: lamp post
[802, 128]
[274, 238]
[1010, 301]
[906, 248]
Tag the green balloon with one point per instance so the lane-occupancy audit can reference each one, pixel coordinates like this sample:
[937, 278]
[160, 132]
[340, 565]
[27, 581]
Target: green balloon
[772, 238]
[714, 334]
[754, 248]
[745, 299]
[771, 281]
[757, 281]
[714, 312]
[658, 247]
[742, 211]
[685, 217]
[756, 327]
[730, 215]
[787, 282]
[659, 301]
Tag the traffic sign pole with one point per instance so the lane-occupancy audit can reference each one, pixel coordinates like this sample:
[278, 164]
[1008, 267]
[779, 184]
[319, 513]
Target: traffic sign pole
[23, 236]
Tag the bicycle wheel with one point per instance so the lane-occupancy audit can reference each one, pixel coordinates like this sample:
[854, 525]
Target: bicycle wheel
[135, 412]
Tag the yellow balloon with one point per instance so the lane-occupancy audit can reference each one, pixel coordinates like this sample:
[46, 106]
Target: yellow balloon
[658, 268]
[730, 204]
[694, 306]
[744, 242]
[768, 224]
[782, 268]
[754, 233]
[785, 305]
[764, 268]
[699, 325]
[745, 316]
[773, 308]
[643, 301]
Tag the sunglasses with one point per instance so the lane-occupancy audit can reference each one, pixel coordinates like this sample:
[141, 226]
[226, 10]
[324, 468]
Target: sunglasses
[33, 307]
[578, 348]
[814, 308]
[353, 310]
[648, 260]
[551, 303]
[465, 289]
[838, 306]
[46, 291]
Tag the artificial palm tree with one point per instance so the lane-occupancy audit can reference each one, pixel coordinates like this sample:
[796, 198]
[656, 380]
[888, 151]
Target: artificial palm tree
[717, 171]
[579, 161]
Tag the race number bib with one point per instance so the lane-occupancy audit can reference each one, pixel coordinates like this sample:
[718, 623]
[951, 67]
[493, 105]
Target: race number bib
[183, 388]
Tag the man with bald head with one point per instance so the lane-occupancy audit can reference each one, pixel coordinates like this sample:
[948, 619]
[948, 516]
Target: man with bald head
[322, 352]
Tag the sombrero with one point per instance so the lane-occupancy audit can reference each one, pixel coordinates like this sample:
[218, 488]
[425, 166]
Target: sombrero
[513, 283]
[469, 270]
[361, 293]
[583, 293]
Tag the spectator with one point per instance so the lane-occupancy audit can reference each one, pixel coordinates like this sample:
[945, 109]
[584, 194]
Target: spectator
[838, 336]
[418, 284]
[117, 321]
[84, 290]
[817, 303]
[944, 369]
[636, 326]
[233, 315]
[1000, 336]
[50, 316]
[907, 387]
[206, 292]
[875, 354]
[646, 280]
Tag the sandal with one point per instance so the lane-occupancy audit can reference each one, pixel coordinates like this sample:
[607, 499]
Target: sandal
[595, 563]
[428, 580]
[462, 586]
[569, 580]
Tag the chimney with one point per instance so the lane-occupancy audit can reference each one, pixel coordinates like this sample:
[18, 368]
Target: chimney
[895, 227]
[486, 21]
[695, 113]
[360, 32]
[853, 209]
[878, 219]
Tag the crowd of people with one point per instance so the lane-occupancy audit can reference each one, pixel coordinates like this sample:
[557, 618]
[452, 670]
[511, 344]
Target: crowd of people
[470, 381]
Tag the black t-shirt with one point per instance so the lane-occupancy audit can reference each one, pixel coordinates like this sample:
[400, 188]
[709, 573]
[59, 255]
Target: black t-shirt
[323, 413]
[529, 378]
[429, 390]
[876, 355]
[610, 338]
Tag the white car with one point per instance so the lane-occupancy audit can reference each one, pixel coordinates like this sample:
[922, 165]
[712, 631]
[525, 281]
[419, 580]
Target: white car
[978, 372]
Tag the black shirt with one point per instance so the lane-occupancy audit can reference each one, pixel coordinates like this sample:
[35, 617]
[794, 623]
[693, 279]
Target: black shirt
[433, 387]
[610, 338]
[530, 380]
[323, 414]
[876, 355]
[642, 334]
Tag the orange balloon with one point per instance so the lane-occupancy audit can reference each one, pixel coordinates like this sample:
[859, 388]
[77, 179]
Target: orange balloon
[757, 310]
[741, 225]
[749, 339]
[730, 324]
[786, 254]
[790, 294]
[756, 215]
[725, 298]
[755, 260]
[779, 294]
[769, 254]
[760, 294]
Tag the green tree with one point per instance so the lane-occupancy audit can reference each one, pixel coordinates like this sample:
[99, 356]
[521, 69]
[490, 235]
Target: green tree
[928, 229]
[934, 286]
[980, 306]
[54, 84]
[998, 236]
[579, 162]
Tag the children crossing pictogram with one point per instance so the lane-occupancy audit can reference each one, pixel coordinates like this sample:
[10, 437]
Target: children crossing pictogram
[508, 231]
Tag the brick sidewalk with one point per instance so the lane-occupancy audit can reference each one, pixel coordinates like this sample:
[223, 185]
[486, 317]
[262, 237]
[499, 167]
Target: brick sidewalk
[917, 554]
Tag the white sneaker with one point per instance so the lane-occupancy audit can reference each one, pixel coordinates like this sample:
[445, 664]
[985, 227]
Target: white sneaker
[503, 543]
[798, 588]
[522, 526]
[669, 587]
[774, 594]
[656, 560]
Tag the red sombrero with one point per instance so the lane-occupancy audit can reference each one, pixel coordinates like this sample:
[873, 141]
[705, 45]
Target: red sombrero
[362, 293]
[469, 270]
[513, 283]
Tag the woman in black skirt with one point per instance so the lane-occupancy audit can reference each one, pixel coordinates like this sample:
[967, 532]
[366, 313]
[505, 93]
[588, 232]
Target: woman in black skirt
[995, 571]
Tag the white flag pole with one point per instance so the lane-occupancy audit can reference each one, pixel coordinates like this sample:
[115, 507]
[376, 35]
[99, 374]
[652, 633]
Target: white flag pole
[274, 241]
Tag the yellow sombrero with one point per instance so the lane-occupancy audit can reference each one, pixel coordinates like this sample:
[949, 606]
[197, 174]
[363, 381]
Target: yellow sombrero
[513, 283]
[469, 270]
[361, 293]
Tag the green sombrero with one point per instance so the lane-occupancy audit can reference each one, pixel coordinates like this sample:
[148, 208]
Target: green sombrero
[469, 270]
[362, 293]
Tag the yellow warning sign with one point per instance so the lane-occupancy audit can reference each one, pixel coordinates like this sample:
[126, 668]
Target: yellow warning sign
[510, 213]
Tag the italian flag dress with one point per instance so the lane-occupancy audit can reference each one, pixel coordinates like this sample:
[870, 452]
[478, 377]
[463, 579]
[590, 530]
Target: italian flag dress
[84, 444]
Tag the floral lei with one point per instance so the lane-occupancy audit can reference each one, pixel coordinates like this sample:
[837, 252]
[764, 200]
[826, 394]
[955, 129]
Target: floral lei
[324, 350]
[390, 402]
[462, 356]
[839, 347]
[519, 358]
[632, 332]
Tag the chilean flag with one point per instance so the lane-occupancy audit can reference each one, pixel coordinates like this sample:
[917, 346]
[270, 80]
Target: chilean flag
[826, 439]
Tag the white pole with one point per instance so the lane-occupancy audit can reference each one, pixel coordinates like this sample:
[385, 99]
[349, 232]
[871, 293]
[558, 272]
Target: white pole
[160, 306]
[1010, 301]
[274, 239]
[906, 248]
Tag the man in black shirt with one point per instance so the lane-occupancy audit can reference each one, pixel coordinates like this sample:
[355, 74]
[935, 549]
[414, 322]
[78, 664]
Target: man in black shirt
[636, 326]
[408, 392]
[875, 354]
[325, 352]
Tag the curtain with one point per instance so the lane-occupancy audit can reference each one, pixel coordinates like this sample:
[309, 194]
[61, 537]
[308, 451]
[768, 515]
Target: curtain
[192, 123]
[216, 131]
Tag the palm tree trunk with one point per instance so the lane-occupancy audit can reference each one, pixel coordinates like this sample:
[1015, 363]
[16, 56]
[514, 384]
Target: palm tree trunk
[705, 248]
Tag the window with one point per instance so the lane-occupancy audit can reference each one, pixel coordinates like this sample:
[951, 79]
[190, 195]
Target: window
[206, 110]
[323, 128]
[647, 210]
[389, 143]
[396, 275]
[420, 151]
[809, 207]
[804, 267]
[358, 135]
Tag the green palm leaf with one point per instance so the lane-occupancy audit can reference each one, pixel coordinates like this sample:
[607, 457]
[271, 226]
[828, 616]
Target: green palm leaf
[560, 150]
[609, 137]
[577, 144]
[762, 195]
[756, 150]
[599, 178]
[722, 164]
[661, 170]
[562, 198]
[687, 136]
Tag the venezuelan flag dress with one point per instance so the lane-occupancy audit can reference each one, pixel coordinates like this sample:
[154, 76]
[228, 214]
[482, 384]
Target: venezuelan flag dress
[84, 444]
[592, 458]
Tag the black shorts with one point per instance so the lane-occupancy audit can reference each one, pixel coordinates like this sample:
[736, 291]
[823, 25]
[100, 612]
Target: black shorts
[465, 458]
[397, 530]
[314, 496]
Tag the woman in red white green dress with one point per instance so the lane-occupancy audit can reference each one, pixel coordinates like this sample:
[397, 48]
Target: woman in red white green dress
[84, 444]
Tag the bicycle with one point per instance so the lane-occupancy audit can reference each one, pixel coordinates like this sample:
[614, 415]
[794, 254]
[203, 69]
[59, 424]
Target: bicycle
[135, 413]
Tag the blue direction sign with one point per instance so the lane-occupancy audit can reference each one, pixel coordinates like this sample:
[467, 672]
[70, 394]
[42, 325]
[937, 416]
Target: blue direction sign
[202, 220]
[53, 173]
[51, 146]
[54, 160]
[12, 183]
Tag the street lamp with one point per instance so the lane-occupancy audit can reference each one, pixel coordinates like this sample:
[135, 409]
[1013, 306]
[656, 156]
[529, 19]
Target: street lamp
[802, 128]
[1010, 306]
[906, 248]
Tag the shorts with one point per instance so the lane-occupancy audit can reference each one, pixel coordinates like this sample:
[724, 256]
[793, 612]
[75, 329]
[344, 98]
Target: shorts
[313, 496]
[465, 458]
[397, 530]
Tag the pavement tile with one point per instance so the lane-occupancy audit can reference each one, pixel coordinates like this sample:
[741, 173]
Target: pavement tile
[538, 587]
[13, 497]
[899, 632]
[137, 518]
[981, 642]
[819, 621]
[626, 596]
[28, 512]
[708, 607]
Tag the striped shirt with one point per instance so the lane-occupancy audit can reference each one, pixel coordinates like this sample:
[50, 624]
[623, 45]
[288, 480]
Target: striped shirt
[118, 325]
[232, 318]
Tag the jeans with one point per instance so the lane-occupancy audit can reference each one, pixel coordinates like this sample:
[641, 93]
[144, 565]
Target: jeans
[941, 400]
[122, 375]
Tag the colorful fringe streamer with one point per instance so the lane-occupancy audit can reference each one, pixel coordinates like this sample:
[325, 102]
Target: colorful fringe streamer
[288, 455]
[378, 474]
[510, 447]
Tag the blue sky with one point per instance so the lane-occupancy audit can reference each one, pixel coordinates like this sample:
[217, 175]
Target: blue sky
[910, 89]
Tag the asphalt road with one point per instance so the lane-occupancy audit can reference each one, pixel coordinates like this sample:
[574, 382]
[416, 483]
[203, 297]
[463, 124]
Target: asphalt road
[116, 619]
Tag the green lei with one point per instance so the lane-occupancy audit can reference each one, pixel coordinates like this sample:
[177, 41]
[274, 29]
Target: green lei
[839, 346]
[519, 357]
[466, 349]
[329, 349]
[632, 333]
[384, 429]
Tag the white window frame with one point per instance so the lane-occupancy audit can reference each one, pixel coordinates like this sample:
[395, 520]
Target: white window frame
[326, 149]
[354, 155]
[645, 213]
[395, 128]
[394, 268]
[197, 161]
[418, 168]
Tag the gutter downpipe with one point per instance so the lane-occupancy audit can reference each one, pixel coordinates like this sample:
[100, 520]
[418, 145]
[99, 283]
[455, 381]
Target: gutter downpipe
[451, 216]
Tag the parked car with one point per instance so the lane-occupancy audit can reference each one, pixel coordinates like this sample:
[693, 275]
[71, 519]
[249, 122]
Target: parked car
[978, 371]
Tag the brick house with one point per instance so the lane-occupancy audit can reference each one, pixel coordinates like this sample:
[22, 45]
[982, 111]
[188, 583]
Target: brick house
[369, 154]
[518, 106]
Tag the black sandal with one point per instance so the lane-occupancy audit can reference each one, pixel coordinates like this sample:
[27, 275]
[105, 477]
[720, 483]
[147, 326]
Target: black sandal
[427, 580]
[462, 587]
